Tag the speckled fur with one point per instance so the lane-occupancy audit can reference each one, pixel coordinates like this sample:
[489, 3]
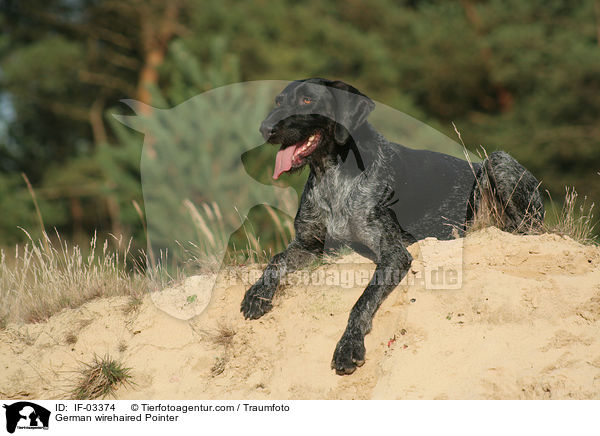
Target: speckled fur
[376, 196]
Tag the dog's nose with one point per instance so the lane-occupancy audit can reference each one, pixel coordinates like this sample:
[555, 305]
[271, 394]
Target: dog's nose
[266, 129]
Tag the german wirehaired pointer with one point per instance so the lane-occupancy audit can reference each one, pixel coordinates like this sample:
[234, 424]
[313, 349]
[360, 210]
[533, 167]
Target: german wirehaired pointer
[375, 196]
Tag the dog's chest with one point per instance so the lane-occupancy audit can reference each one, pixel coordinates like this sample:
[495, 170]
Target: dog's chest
[343, 204]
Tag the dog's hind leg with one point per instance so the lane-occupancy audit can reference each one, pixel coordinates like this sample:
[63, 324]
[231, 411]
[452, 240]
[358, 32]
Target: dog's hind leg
[393, 262]
[510, 193]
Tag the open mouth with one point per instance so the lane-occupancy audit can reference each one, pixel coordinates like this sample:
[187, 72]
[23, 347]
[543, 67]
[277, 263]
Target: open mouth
[294, 156]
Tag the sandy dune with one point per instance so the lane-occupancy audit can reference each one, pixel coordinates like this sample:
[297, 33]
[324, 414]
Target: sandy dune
[524, 324]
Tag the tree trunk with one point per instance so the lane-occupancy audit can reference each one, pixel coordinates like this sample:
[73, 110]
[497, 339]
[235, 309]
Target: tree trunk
[155, 39]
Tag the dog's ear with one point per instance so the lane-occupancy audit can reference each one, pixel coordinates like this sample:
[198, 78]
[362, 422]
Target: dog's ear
[352, 109]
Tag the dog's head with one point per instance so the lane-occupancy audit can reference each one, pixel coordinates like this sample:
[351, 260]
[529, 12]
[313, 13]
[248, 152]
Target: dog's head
[311, 118]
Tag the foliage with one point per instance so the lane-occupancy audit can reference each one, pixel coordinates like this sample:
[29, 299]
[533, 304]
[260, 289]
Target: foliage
[521, 76]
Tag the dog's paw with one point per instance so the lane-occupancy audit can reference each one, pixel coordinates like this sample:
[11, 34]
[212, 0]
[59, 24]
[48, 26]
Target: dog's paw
[349, 354]
[255, 304]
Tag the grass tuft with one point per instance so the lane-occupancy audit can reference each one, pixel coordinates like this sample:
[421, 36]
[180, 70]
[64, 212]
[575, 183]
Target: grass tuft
[101, 378]
[575, 218]
[133, 304]
[122, 347]
[223, 335]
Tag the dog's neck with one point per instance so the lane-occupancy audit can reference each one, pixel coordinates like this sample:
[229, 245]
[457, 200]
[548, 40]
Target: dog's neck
[357, 149]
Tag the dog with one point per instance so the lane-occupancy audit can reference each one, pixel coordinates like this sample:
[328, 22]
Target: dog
[374, 195]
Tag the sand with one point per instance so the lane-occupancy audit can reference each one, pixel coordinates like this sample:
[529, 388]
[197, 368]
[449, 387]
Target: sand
[518, 318]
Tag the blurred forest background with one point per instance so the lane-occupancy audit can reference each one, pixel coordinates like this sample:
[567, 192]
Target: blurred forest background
[523, 76]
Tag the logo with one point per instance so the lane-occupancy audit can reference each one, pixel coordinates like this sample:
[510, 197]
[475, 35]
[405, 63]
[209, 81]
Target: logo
[26, 415]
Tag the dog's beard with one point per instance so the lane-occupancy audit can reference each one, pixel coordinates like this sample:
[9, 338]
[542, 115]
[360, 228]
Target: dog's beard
[293, 156]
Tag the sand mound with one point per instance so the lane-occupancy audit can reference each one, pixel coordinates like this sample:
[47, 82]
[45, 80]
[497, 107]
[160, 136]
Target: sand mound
[518, 320]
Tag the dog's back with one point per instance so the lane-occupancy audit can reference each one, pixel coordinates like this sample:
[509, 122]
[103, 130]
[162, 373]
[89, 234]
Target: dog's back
[429, 190]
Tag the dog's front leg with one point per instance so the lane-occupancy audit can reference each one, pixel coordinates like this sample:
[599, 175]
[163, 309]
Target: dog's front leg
[257, 300]
[392, 266]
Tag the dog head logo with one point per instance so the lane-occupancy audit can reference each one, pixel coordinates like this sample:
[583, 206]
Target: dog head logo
[196, 187]
[26, 415]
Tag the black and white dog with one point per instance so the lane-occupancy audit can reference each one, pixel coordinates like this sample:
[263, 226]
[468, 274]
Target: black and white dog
[374, 195]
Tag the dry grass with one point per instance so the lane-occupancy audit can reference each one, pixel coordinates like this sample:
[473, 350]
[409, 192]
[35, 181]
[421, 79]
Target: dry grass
[219, 366]
[101, 378]
[41, 278]
[122, 346]
[212, 239]
[490, 213]
[223, 337]
[133, 304]
[575, 219]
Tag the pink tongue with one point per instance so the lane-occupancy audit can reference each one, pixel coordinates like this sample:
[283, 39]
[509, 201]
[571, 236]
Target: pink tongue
[283, 161]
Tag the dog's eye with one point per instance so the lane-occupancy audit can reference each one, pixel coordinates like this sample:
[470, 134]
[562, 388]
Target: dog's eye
[306, 100]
